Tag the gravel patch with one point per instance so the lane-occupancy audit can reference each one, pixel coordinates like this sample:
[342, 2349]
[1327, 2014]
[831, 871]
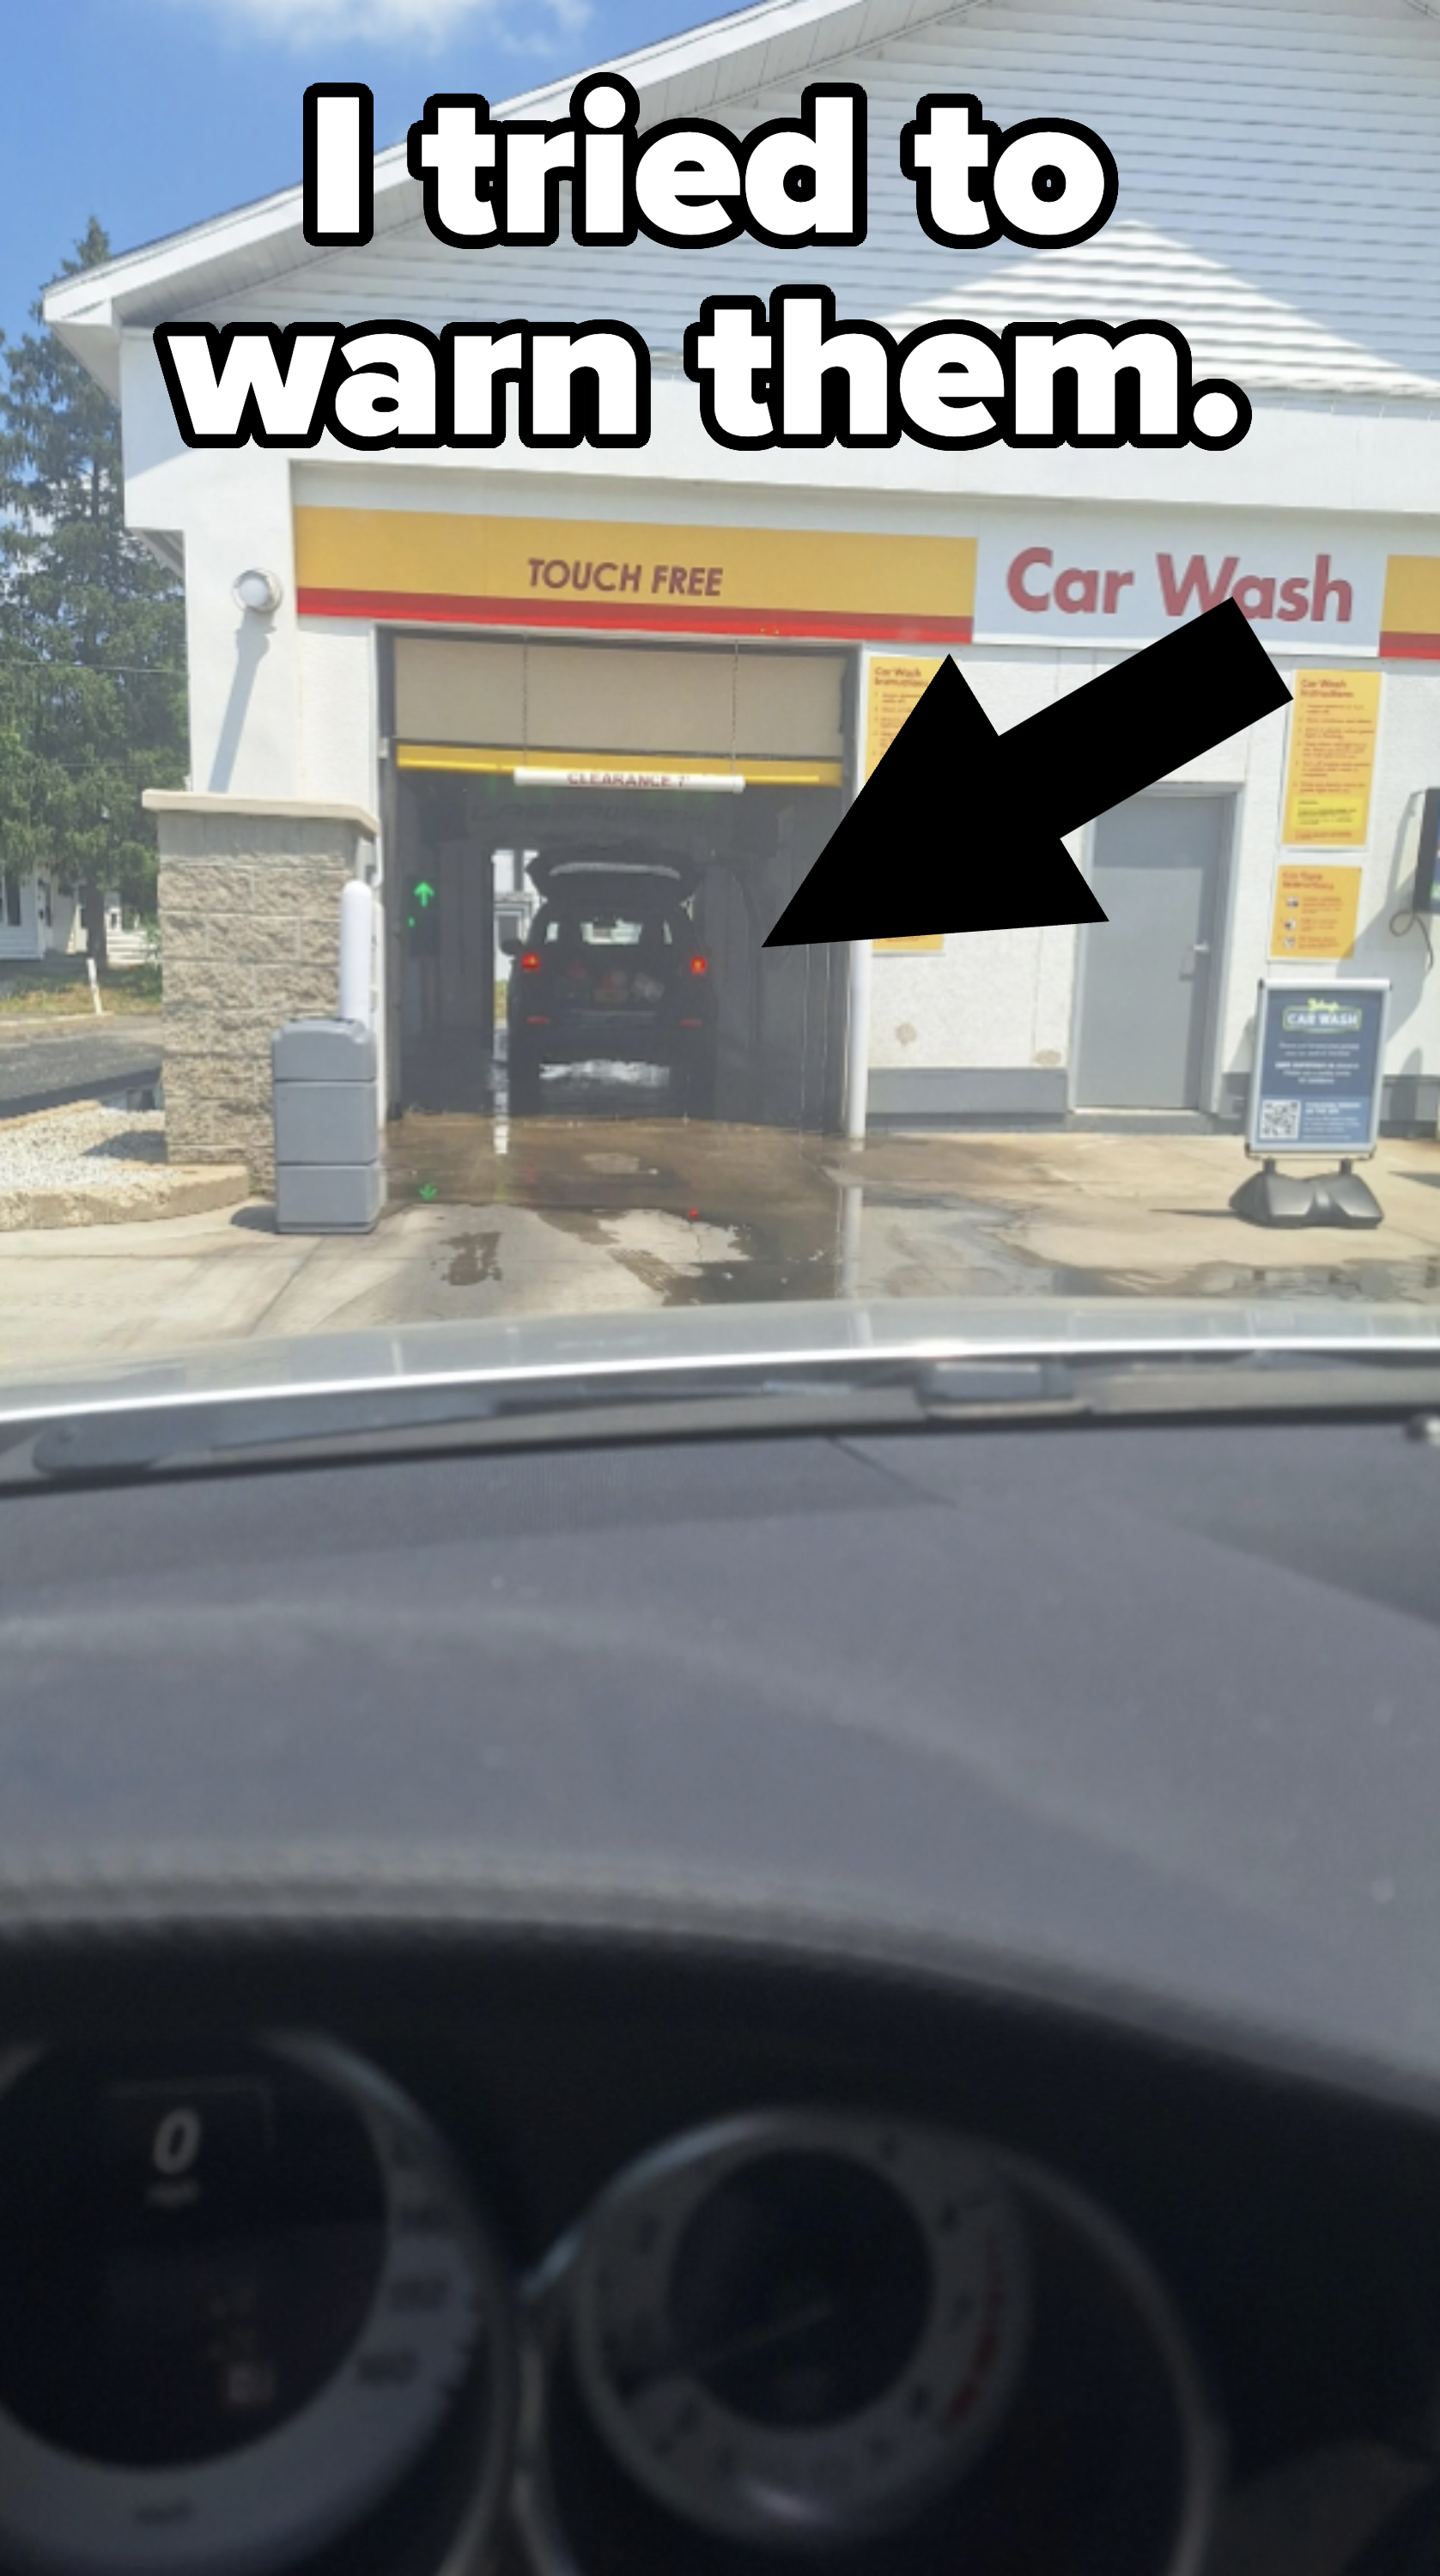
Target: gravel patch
[82, 1148]
[86, 1165]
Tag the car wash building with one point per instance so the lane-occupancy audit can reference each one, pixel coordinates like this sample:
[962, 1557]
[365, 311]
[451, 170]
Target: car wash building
[420, 665]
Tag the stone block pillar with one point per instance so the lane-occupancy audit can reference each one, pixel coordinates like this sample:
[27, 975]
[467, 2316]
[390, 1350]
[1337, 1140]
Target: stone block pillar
[249, 936]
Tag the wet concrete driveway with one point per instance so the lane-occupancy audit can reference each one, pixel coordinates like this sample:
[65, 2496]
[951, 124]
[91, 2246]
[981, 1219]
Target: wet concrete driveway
[689, 1212]
[697, 1213]
[570, 1214]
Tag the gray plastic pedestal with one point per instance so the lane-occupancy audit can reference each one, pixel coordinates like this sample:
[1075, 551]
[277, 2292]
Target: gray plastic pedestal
[329, 1178]
[328, 1198]
[1273, 1197]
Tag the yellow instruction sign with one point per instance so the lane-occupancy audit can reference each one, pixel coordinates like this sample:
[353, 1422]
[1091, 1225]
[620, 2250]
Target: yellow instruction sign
[1333, 727]
[1316, 909]
[896, 682]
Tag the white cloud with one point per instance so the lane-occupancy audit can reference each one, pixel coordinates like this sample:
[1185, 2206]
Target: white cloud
[422, 24]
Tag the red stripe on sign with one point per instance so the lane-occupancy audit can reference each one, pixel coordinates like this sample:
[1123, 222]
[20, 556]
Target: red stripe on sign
[441, 608]
[1411, 648]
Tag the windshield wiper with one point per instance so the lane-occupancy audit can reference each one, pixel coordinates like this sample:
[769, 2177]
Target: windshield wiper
[328, 1423]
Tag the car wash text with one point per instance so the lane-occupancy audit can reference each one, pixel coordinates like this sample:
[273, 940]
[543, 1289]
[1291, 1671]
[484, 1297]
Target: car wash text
[1186, 588]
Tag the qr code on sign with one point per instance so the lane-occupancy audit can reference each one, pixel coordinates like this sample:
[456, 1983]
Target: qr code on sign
[1279, 1122]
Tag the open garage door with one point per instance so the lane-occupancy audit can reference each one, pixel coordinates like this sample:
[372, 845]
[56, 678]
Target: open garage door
[732, 757]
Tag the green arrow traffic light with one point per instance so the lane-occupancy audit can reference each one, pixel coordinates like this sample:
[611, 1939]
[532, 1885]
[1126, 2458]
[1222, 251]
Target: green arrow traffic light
[424, 894]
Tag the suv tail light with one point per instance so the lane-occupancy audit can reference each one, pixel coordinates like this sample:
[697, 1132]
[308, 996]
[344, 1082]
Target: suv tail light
[530, 961]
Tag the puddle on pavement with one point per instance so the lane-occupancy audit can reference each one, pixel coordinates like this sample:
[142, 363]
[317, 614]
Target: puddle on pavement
[705, 1214]
[476, 1258]
[699, 1214]
[752, 1262]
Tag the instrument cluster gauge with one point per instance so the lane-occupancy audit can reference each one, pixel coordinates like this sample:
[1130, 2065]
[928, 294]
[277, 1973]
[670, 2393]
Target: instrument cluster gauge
[796, 2328]
[243, 2300]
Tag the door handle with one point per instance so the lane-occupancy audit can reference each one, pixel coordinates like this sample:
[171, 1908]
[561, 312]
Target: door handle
[1201, 948]
[1198, 948]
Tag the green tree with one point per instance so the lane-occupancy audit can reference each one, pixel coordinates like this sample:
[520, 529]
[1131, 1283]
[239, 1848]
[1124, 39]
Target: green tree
[92, 635]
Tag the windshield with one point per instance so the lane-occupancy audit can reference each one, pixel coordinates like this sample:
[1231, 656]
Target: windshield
[646, 664]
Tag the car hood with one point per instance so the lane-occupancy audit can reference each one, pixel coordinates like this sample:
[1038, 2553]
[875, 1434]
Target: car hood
[684, 1339]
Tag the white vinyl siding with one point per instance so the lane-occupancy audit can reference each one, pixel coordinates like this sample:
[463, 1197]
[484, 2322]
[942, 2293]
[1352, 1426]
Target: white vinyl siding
[27, 937]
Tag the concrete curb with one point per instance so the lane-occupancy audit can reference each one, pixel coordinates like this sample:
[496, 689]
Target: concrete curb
[186, 1191]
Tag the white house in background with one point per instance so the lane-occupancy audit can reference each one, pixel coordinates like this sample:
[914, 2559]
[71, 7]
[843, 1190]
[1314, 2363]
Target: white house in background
[36, 919]
[442, 620]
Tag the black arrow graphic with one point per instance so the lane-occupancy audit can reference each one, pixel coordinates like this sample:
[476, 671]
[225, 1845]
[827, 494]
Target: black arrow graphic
[958, 827]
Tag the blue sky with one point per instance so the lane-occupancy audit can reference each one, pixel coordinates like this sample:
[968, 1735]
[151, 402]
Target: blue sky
[153, 114]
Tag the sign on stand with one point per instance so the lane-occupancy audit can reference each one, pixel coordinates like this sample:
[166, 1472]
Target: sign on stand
[1315, 1089]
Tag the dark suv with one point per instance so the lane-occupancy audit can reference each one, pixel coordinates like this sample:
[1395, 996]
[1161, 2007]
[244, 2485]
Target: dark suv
[612, 973]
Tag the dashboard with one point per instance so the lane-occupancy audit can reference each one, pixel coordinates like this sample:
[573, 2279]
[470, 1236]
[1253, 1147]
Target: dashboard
[565, 2260]
[726, 2008]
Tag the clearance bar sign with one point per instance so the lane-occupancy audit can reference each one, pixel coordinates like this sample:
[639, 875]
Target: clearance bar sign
[458, 570]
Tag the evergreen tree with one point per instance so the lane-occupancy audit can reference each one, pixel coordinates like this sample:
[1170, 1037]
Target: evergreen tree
[92, 636]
